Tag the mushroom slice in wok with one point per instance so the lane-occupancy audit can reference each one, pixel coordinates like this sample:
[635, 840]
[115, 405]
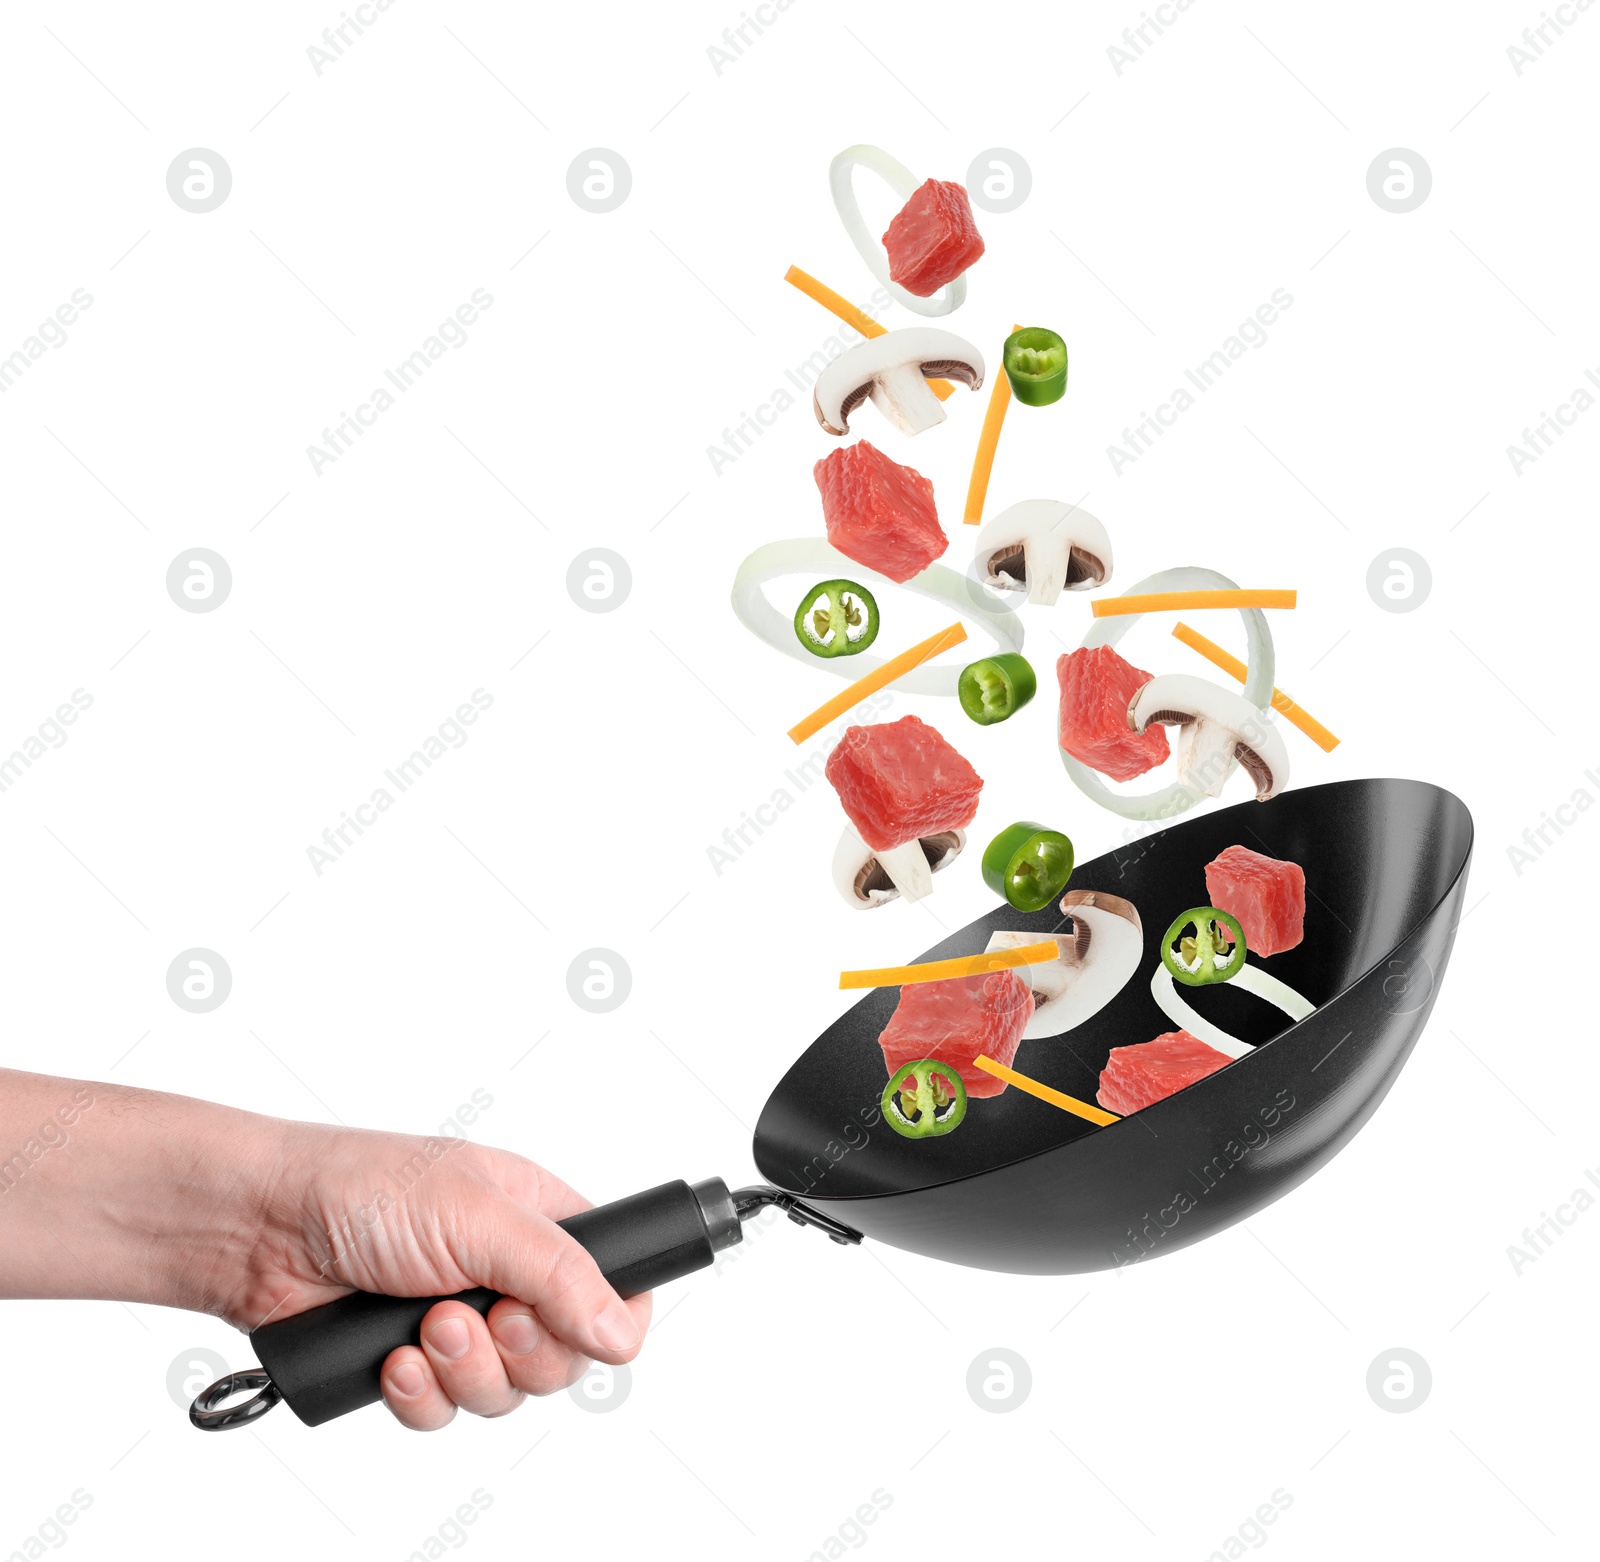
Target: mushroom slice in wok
[1044, 547]
[1219, 727]
[894, 370]
[1098, 958]
[868, 879]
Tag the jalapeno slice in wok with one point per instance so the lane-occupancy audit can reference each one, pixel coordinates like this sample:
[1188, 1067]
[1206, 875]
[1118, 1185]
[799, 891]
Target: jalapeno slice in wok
[1035, 362]
[996, 688]
[1028, 864]
[836, 618]
[924, 1099]
[1204, 946]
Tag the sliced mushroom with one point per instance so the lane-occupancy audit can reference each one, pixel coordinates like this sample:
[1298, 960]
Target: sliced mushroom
[1219, 727]
[1098, 958]
[894, 370]
[1043, 547]
[867, 878]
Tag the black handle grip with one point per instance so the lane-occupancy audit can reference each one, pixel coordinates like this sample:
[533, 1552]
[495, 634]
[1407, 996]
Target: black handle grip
[326, 1362]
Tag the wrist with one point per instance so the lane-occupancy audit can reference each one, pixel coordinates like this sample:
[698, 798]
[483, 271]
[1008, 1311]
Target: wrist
[200, 1205]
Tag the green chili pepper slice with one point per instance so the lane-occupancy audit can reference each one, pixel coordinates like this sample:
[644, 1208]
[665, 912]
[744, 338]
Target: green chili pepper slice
[1203, 957]
[995, 688]
[924, 1099]
[1036, 364]
[1028, 864]
[836, 618]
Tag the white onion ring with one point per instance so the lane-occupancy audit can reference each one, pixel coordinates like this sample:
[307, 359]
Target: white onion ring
[819, 558]
[1253, 979]
[905, 184]
[1261, 669]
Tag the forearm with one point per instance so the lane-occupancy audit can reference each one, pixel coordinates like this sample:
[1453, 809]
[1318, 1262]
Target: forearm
[107, 1192]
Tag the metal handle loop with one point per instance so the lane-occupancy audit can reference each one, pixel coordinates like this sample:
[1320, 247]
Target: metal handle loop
[205, 1415]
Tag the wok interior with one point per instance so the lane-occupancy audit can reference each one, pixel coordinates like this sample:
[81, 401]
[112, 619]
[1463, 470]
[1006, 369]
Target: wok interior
[1379, 856]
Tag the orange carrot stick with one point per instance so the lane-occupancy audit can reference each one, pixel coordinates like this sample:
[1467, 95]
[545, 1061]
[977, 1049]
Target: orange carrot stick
[895, 667]
[1281, 702]
[988, 442]
[846, 311]
[942, 970]
[1092, 1114]
[1176, 601]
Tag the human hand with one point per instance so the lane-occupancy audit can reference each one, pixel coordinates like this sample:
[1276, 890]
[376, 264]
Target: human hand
[404, 1216]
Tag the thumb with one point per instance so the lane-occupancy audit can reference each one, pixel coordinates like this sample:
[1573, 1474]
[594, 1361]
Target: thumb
[533, 1259]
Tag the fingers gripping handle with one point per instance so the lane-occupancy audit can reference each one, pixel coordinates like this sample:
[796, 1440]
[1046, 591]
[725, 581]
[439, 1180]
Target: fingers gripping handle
[326, 1362]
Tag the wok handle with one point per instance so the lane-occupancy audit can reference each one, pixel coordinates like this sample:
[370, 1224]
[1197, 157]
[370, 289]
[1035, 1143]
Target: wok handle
[326, 1362]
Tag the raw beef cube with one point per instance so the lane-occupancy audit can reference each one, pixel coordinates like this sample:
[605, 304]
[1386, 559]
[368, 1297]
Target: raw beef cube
[932, 239]
[878, 512]
[955, 1020]
[1096, 688]
[900, 781]
[1266, 895]
[1134, 1077]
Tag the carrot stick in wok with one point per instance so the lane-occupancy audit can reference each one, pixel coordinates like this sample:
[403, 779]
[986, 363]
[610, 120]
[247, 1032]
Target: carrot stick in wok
[962, 965]
[1093, 1114]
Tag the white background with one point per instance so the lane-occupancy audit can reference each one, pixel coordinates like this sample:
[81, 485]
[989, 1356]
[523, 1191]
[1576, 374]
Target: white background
[780, 1392]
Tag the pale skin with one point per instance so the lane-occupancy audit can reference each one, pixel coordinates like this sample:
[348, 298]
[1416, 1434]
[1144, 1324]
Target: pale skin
[108, 1192]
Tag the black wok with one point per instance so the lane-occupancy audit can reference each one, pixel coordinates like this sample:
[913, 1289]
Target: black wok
[1023, 1186]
